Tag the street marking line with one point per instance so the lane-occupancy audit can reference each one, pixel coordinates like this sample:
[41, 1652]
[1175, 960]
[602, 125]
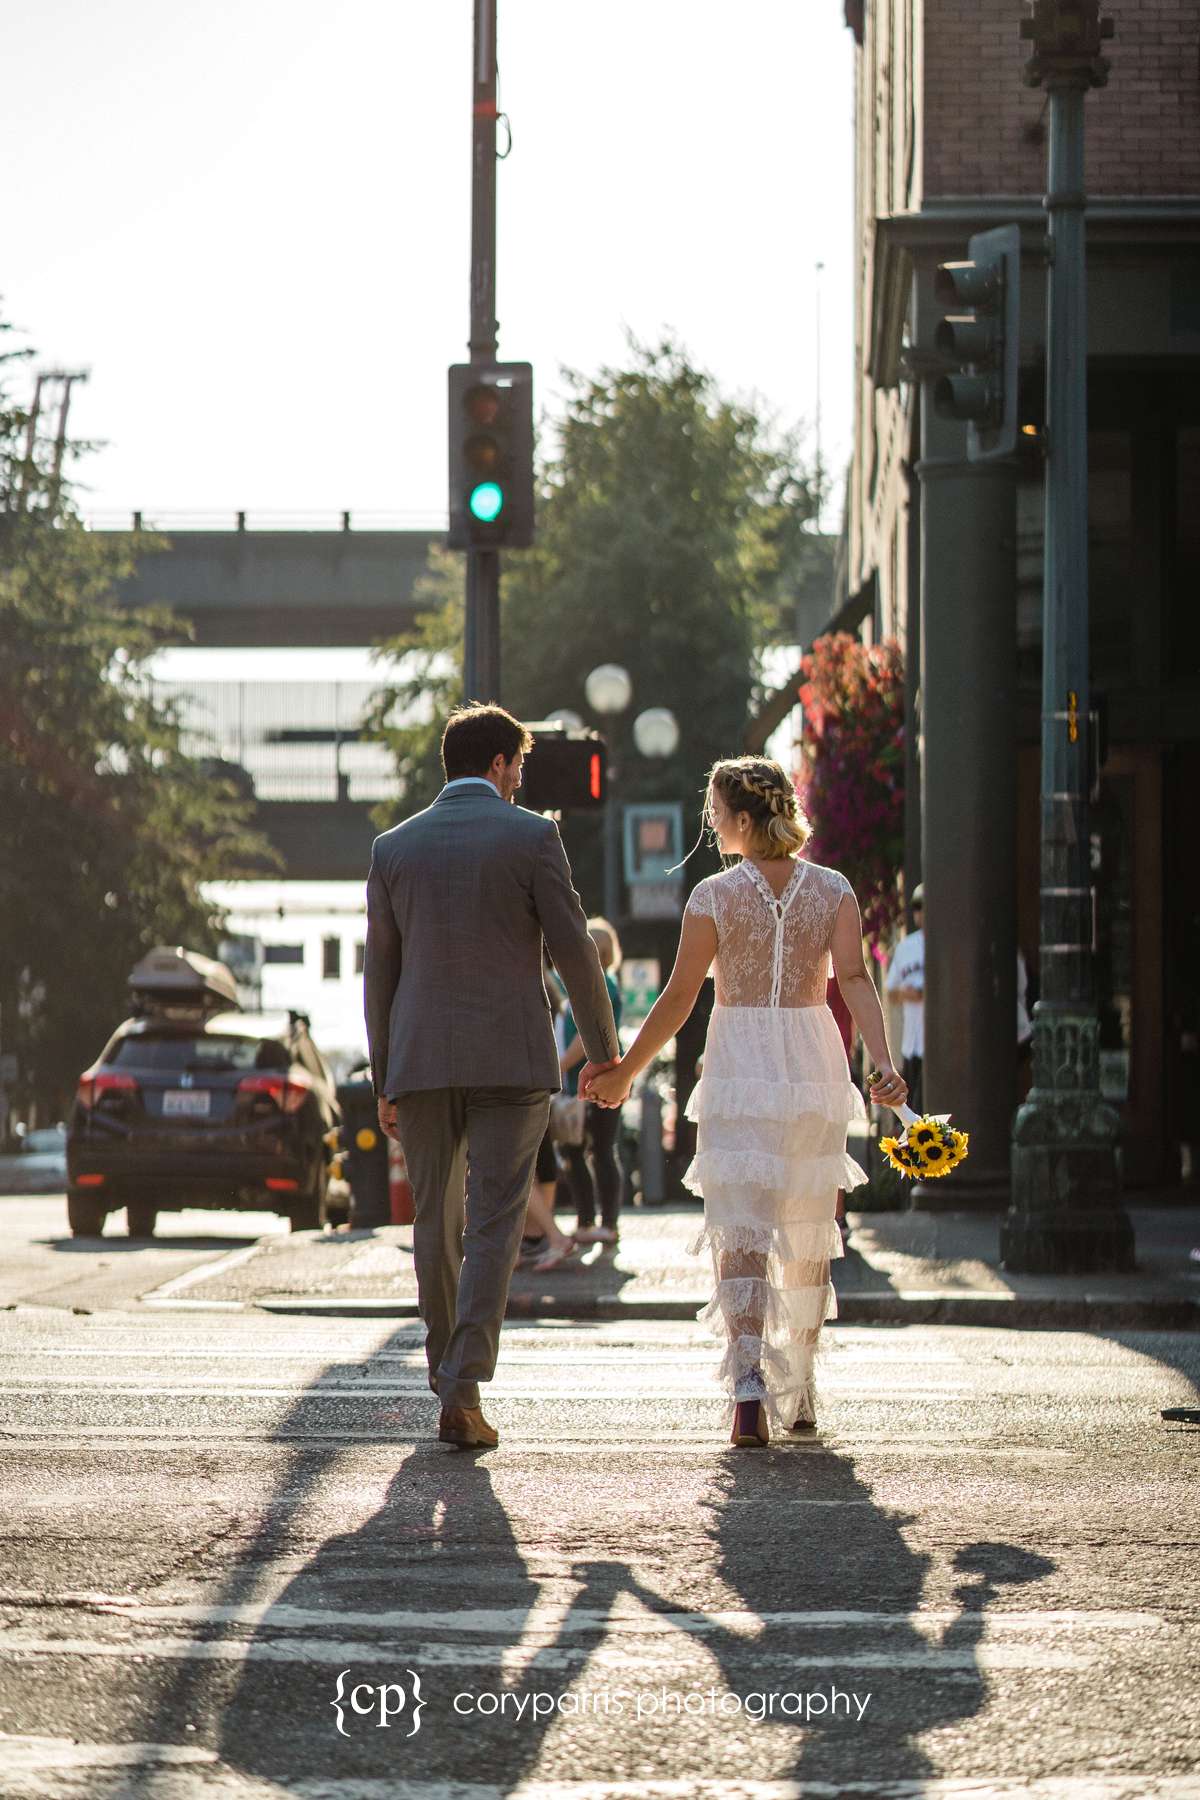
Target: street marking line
[295, 1391]
[52, 1757]
[168, 1437]
[974, 1660]
[204, 1271]
[20, 1754]
[626, 1615]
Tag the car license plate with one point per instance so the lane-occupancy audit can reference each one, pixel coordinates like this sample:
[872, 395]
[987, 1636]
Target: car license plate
[186, 1103]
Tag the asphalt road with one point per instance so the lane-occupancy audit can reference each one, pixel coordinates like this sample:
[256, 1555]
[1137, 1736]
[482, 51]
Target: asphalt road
[980, 1580]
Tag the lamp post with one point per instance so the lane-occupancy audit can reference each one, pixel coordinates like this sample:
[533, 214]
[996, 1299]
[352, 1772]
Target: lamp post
[609, 691]
[1066, 1213]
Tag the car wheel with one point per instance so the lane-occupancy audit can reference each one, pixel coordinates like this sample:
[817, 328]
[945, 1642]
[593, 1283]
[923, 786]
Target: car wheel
[141, 1220]
[85, 1215]
[308, 1210]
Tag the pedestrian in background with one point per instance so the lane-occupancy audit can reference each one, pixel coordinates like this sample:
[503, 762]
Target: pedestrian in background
[906, 981]
[593, 1167]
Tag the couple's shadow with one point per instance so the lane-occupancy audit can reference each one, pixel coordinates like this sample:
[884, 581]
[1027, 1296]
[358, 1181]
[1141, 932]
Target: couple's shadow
[436, 1582]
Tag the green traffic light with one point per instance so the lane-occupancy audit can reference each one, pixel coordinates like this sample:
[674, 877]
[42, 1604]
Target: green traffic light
[486, 502]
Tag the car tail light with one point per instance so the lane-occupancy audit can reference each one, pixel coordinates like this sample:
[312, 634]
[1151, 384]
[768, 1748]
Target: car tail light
[282, 1184]
[94, 1086]
[289, 1092]
[89, 1181]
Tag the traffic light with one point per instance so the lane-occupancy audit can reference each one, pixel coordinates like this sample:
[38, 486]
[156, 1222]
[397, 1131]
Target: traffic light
[491, 455]
[566, 771]
[1066, 40]
[983, 336]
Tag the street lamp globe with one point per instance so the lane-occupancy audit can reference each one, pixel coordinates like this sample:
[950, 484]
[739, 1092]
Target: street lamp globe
[656, 731]
[608, 688]
[564, 715]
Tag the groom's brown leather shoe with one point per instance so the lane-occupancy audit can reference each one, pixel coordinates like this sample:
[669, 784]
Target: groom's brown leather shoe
[466, 1425]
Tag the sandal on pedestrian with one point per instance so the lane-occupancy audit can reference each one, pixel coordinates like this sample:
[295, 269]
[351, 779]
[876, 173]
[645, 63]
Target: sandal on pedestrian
[750, 1427]
[555, 1259]
[597, 1234]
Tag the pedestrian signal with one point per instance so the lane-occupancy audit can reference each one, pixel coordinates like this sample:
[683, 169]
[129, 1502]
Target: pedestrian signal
[566, 771]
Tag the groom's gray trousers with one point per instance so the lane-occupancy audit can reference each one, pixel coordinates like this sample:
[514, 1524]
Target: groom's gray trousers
[471, 1153]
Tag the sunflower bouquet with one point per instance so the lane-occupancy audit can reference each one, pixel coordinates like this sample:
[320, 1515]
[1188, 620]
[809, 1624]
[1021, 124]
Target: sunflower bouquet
[929, 1146]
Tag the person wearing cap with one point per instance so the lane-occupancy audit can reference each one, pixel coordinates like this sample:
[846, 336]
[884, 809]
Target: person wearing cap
[906, 982]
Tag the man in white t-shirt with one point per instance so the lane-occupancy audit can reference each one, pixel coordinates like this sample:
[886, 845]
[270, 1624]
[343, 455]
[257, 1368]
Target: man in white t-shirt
[906, 981]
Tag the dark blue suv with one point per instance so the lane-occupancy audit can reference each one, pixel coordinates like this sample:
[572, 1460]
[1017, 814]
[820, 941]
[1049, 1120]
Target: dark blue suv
[211, 1109]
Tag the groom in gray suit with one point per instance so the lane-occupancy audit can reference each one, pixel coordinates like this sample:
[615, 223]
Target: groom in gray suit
[459, 901]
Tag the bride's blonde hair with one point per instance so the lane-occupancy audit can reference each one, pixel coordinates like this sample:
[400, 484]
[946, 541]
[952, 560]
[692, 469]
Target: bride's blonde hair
[760, 787]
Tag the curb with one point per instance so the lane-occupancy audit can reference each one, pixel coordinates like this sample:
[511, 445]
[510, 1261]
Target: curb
[1016, 1312]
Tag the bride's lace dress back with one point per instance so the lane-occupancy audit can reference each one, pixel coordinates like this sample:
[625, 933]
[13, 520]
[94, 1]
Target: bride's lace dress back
[772, 1109]
[771, 952]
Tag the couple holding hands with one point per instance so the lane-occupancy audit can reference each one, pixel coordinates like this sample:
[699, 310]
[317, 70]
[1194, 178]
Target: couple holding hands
[460, 900]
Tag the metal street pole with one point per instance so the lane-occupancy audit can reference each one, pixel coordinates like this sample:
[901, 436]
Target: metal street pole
[1066, 1212]
[481, 633]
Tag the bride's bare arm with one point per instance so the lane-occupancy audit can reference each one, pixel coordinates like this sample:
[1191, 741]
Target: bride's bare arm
[693, 959]
[858, 990]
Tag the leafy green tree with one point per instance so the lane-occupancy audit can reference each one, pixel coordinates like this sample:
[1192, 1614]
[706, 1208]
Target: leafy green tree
[673, 526]
[106, 828]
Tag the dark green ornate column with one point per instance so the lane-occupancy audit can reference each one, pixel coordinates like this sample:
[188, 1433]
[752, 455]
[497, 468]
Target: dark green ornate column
[1066, 1214]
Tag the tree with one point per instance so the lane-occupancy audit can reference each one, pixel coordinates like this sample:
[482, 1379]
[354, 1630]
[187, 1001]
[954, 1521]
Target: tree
[853, 781]
[672, 526]
[106, 828]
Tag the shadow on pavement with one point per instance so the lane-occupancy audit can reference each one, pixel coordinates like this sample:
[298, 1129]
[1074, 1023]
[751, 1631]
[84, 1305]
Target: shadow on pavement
[442, 1581]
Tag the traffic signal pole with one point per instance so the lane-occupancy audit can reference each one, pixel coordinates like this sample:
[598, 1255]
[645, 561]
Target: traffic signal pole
[481, 632]
[1066, 1210]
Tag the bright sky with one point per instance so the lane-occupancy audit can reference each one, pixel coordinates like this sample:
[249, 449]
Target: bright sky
[250, 219]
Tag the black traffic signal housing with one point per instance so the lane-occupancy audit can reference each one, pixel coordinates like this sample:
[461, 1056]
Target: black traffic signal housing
[566, 771]
[491, 456]
[982, 334]
[1066, 41]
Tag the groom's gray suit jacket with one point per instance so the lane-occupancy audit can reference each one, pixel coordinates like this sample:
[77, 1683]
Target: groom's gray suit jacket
[459, 900]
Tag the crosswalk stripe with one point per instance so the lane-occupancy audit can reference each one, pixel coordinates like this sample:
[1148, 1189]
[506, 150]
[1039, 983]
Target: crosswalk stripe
[970, 1659]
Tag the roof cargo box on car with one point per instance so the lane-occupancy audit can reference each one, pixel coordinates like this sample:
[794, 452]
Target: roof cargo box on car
[173, 980]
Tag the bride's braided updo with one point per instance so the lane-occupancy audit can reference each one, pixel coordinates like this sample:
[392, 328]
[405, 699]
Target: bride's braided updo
[755, 785]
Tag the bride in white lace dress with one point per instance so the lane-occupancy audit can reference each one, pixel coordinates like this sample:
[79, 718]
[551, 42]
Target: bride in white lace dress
[775, 1096]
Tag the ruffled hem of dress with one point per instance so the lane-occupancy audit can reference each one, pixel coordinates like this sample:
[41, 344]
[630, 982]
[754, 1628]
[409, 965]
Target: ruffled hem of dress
[781, 1377]
[792, 1178]
[800, 1240]
[783, 1311]
[722, 1097]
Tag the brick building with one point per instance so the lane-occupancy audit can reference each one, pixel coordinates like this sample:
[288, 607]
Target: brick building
[947, 556]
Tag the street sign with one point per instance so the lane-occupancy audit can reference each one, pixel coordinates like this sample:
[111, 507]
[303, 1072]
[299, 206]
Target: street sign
[641, 980]
[653, 843]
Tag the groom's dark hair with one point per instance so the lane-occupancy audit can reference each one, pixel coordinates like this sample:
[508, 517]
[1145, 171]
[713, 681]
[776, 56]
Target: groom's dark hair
[476, 735]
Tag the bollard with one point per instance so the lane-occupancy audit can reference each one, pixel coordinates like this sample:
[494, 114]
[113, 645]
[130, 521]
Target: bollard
[365, 1150]
[651, 1160]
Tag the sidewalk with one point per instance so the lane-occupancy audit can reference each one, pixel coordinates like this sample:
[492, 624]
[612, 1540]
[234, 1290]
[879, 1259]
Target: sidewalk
[899, 1268]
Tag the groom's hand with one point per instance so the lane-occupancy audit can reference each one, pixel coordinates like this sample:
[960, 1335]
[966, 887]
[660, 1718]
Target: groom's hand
[387, 1118]
[592, 1068]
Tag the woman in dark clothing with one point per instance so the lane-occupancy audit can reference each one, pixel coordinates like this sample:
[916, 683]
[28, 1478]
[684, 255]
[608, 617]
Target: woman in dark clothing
[593, 1167]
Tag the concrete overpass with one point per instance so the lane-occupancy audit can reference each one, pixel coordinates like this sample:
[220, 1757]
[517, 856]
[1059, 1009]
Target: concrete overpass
[248, 587]
[242, 587]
